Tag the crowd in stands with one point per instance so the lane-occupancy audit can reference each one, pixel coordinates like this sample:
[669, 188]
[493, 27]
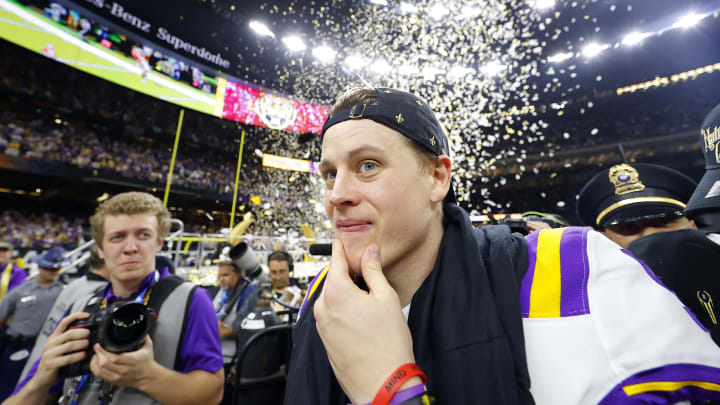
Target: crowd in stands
[26, 229]
[109, 129]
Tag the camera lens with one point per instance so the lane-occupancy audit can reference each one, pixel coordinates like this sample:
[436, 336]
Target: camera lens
[126, 328]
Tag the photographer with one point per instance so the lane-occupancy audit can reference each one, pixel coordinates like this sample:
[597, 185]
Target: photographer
[280, 265]
[179, 362]
[235, 299]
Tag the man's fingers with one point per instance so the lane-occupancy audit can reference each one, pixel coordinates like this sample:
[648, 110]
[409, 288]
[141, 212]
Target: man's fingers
[338, 276]
[65, 360]
[372, 270]
[63, 325]
[68, 347]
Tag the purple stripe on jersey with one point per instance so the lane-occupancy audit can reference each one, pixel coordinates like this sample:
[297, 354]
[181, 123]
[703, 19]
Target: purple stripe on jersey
[574, 271]
[310, 287]
[657, 280]
[668, 373]
[526, 284]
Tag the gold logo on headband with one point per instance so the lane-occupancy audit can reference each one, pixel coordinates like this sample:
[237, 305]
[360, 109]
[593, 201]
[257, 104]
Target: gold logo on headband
[432, 140]
[388, 91]
[419, 102]
[707, 303]
[399, 118]
[625, 179]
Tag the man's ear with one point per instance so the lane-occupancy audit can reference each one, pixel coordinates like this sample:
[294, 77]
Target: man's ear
[442, 174]
[101, 254]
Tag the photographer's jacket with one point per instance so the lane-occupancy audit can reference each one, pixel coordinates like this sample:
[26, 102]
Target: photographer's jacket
[185, 338]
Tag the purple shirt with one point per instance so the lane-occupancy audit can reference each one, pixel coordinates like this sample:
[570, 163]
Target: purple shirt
[201, 348]
[17, 276]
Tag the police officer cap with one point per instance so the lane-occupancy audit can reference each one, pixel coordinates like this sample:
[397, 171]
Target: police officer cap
[405, 113]
[633, 192]
[5, 246]
[52, 259]
[707, 193]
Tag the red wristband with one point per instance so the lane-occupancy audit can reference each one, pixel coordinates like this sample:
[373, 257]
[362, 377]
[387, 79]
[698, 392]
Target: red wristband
[397, 379]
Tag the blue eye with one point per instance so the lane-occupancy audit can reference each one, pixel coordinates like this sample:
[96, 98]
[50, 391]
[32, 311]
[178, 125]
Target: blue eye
[368, 166]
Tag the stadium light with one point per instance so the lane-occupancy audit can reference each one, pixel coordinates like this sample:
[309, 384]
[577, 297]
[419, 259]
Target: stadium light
[324, 54]
[408, 70]
[492, 68]
[593, 49]
[460, 71]
[634, 38]
[470, 12]
[381, 67]
[407, 8]
[429, 73]
[294, 43]
[438, 11]
[261, 29]
[560, 56]
[355, 62]
[688, 21]
[544, 4]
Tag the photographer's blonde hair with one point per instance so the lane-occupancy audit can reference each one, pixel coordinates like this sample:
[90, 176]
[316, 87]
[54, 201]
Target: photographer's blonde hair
[130, 203]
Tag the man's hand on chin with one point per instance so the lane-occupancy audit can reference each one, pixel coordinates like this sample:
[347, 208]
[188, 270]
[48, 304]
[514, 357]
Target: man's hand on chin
[364, 333]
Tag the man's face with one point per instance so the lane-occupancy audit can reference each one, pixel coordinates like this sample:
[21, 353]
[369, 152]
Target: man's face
[375, 191]
[279, 273]
[129, 246]
[227, 277]
[48, 274]
[5, 256]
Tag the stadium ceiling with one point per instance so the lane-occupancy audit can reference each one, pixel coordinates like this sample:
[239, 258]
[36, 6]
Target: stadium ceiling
[568, 26]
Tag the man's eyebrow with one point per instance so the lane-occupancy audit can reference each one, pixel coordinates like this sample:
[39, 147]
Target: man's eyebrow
[324, 164]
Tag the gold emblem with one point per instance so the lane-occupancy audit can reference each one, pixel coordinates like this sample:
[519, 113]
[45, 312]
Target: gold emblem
[432, 140]
[625, 179]
[706, 301]
[399, 118]
[419, 102]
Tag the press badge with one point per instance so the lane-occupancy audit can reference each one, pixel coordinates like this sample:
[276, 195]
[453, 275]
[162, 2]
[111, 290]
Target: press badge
[28, 298]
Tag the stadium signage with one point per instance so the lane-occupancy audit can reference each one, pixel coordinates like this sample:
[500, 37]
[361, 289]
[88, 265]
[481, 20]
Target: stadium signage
[118, 11]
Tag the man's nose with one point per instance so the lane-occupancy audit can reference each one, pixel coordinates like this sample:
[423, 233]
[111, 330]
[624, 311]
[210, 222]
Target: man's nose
[344, 190]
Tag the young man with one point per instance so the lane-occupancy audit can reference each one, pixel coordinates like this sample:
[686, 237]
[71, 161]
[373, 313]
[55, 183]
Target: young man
[25, 308]
[180, 362]
[11, 275]
[410, 281]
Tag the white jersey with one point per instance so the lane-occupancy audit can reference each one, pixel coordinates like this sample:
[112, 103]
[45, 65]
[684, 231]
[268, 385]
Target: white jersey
[600, 328]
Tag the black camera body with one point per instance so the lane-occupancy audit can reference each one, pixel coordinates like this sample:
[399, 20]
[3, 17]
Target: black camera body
[118, 328]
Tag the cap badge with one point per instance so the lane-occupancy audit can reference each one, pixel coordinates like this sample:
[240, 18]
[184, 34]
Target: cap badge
[399, 118]
[432, 140]
[387, 91]
[625, 179]
[706, 301]
[419, 102]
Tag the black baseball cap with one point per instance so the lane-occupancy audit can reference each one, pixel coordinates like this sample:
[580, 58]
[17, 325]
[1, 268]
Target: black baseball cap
[633, 192]
[405, 113]
[707, 193]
